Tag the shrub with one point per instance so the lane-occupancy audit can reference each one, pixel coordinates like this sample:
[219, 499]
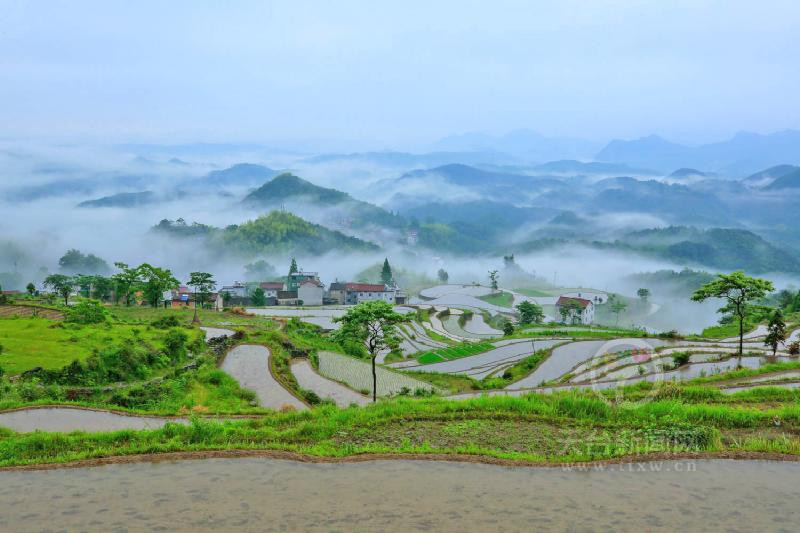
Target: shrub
[175, 343]
[166, 322]
[311, 397]
[681, 358]
[86, 312]
[794, 348]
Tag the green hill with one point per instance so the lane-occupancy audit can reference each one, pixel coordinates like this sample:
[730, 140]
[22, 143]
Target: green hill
[289, 190]
[275, 232]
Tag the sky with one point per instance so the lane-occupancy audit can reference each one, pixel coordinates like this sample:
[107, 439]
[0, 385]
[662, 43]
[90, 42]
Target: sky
[395, 74]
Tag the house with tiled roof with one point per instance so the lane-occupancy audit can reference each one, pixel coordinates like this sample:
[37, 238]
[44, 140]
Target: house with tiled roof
[356, 293]
[575, 310]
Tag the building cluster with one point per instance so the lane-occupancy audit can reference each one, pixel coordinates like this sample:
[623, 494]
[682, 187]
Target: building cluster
[305, 288]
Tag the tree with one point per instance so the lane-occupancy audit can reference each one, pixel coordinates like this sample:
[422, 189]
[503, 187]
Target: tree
[102, 287]
[257, 297]
[126, 281]
[643, 294]
[31, 288]
[570, 308]
[508, 328]
[226, 298]
[292, 270]
[259, 271]
[738, 290]
[776, 331]
[75, 262]
[61, 285]
[530, 313]
[386, 273]
[203, 283]
[372, 325]
[617, 307]
[493, 279]
[155, 281]
[443, 275]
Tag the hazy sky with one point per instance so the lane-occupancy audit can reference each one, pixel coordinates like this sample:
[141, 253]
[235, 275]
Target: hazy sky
[396, 73]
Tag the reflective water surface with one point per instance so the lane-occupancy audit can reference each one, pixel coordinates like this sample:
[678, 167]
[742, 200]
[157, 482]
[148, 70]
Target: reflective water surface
[252, 494]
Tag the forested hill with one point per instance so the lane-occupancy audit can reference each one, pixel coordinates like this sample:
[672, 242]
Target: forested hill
[293, 192]
[277, 231]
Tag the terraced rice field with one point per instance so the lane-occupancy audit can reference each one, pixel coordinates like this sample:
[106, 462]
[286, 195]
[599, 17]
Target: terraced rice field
[357, 375]
[455, 352]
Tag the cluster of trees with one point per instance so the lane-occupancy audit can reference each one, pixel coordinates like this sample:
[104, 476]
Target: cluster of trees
[123, 286]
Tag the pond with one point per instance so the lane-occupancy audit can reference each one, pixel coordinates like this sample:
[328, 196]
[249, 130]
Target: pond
[257, 494]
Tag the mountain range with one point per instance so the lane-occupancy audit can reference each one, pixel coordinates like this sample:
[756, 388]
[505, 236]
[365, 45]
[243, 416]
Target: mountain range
[743, 154]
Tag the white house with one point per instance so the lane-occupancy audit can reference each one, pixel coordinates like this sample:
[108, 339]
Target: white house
[581, 310]
[310, 292]
[364, 292]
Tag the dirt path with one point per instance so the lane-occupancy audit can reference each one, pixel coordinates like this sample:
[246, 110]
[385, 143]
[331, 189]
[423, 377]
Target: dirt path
[249, 365]
[325, 388]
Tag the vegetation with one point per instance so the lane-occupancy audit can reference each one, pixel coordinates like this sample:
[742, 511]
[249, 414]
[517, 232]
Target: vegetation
[500, 299]
[454, 352]
[738, 290]
[776, 331]
[556, 428]
[276, 232]
[370, 326]
[386, 273]
[530, 313]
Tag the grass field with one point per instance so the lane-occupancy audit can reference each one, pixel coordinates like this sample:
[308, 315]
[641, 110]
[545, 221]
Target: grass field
[33, 342]
[556, 428]
[501, 299]
[454, 352]
[145, 315]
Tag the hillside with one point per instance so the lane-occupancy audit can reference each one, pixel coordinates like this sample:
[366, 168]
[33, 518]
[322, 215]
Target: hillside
[295, 193]
[242, 174]
[788, 181]
[123, 199]
[285, 232]
[275, 232]
[766, 177]
[740, 155]
[721, 248]
[287, 186]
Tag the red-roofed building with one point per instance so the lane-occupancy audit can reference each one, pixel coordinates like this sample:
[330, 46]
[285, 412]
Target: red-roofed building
[575, 310]
[365, 292]
[271, 288]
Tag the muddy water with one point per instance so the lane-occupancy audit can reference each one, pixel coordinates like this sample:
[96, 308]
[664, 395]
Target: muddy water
[269, 495]
[68, 419]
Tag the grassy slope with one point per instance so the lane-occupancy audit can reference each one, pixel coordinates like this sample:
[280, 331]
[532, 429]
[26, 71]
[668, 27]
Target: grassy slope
[33, 342]
[548, 428]
[502, 299]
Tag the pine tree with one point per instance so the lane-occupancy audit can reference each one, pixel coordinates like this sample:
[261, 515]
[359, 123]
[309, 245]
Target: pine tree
[386, 273]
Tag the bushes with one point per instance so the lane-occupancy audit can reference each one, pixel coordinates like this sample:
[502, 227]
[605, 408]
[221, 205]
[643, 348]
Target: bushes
[794, 348]
[166, 322]
[175, 344]
[681, 358]
[86, 312]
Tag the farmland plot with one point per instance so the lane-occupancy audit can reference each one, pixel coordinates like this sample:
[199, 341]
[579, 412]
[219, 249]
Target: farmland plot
[357, 375]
